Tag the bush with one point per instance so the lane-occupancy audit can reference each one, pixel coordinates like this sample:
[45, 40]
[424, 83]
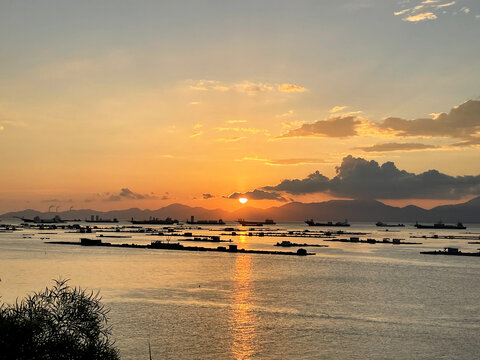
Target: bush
[58, 323]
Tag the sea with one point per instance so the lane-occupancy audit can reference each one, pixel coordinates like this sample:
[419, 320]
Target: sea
[348, 301]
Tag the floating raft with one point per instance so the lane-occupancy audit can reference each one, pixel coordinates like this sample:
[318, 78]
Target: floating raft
[450, 251]
[356, 240]
[290, 244]
[176, 246]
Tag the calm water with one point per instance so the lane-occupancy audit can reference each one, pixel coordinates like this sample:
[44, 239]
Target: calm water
[349, 301]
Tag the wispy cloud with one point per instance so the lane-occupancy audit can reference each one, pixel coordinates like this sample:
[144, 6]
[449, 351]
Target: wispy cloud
[242, 129]
[285, 114]
[397, 147]
[290, 88]
[421, 17]
[198, 133]
[426, 10]
[230, 139]
[337, 109]
[285, 162]
[247, 87]
[236, 121]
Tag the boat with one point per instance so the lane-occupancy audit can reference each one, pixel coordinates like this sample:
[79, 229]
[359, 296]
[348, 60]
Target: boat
[155, 221]
[244, 222]
[441, 226]
[329, 223]
[38, 220]
[192, 221]
[98, 219]
[382, 224]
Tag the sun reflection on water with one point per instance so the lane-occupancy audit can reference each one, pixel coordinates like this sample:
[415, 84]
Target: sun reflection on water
[243, 320]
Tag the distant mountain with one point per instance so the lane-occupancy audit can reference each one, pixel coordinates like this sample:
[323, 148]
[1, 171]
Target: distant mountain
[333, 210]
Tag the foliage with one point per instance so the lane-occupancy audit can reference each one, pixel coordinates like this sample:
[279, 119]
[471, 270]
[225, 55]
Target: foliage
[58, 323]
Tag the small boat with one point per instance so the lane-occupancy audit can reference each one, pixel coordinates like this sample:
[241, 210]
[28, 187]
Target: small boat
[441, 226]
[330, 223]
[382, 224]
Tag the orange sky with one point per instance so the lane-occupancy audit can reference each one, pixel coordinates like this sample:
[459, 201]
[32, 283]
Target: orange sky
[190, 104]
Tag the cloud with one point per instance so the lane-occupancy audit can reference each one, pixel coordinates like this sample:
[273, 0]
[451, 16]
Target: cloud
[339, 126]
[127, 194]
[198, 133]
[290, 88]
[397, 147]
[421, 17]
[462, 121]
[286, 114]
[236, 121]
[258, 195]
[445, 5]
[242, 129]
[230, 139]
[337, 109]
[247, 87]
[313, 183]
[252, 88]
[360, 178]
[425, 10]
[286, 162]
[207, 196]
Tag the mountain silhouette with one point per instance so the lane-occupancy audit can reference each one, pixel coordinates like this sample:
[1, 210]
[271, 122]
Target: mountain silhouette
[332, 210]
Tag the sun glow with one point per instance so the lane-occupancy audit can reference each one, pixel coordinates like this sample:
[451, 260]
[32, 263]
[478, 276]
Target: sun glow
[243, 200]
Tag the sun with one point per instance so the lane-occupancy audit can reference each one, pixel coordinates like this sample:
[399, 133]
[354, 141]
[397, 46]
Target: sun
[243, 200]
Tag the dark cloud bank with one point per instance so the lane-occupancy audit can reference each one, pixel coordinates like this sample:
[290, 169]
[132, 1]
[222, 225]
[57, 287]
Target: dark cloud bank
[461, 123]
[259, 195]
[126, 193]
[362, 179]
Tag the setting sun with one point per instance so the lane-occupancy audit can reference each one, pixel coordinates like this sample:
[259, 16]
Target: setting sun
[243, 200]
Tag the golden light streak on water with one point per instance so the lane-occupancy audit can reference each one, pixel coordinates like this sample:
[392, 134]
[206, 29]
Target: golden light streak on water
[243, 319]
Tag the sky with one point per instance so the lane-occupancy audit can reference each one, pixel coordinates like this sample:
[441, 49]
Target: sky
[119, 104]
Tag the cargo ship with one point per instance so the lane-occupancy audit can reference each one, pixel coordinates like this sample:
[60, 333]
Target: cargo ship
[38, 220]
[204, 222]
[98, 219]
[441, 226]
[329, 223]
[155, 221]
[244, 222]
